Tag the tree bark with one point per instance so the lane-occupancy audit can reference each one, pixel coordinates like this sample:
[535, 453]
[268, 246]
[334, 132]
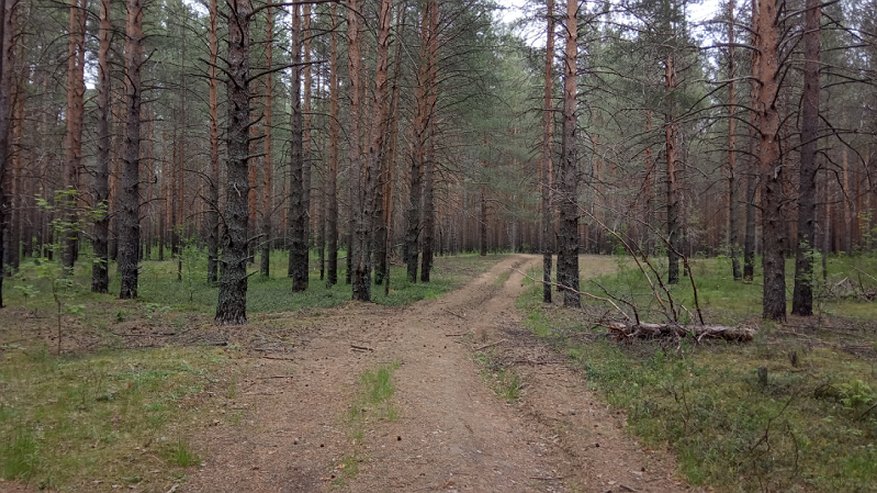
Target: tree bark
[367, 220]
[769, 158]
[482, 221]
[384, 233]
[642, 330]
[672, 156]
[75, 114]
[307, 144]
[5, 99]
[802, 299]
[568, 231]
[129, 213]
[298, 248]
[213, 184]
[733, 240]
[333, 155]
[384, 199]
[420, 130]
[749, 235]
[429, 161]
[267, 161]
[546, 240]
[100, 280]
[231, 308]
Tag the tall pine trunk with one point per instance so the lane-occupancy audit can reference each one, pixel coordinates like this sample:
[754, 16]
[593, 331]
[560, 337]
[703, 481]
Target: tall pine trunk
[213, 183]
[75, 113]
[802, 299]
[5, 98]
[733, 240]
[267, 161]
[298, 248]
[231, 308]
[568, 225]
[384, 231]
[129, 213]
[429, 161]
[332, 172]
[769, 158]
[100, 281]
[546, 240]
[671, 154]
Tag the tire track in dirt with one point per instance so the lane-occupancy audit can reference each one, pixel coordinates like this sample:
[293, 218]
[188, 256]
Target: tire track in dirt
[453, 433]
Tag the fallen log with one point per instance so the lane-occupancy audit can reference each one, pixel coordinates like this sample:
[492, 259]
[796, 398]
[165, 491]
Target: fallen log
[643, 330]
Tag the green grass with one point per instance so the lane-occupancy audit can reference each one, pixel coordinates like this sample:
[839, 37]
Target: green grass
[103, 418]
[181, 455]
[504, 382]
[160, 292]
[809, 429]
[99, 417]
[376, 390]
[727, 301]
[373, 403]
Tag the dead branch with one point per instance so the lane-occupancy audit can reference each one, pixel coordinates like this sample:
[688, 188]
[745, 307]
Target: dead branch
[625, 330]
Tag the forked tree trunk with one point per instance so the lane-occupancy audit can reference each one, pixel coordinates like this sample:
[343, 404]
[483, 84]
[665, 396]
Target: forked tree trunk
[129, 213]
[100, 281]
[231, 308]
[769, 158]
[802, 299]
[420, 135]
[546, 240]
[568, 231]
[367, 219]
[384, 232]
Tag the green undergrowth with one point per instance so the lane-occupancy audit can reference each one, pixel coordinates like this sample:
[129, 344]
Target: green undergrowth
[724, 300]
[811, 427]
[373, 403]
[93, 421]
[161, 291]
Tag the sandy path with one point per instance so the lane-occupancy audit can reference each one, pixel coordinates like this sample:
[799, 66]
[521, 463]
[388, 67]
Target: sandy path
[453, 433]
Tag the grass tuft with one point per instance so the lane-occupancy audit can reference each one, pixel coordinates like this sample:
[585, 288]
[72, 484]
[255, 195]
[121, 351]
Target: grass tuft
[181, 455]
[19, 456]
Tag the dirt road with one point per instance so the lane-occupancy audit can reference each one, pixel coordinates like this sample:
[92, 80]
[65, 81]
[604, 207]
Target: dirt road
[453, 433]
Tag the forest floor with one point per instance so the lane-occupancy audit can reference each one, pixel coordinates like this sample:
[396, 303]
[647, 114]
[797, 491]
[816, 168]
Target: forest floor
[389, 399]
[469, 383]
[449, 393]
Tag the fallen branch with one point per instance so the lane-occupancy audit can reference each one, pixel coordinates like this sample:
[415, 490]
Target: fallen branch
[461, 317]
[497, 343]
[361, 348]
[624, 330]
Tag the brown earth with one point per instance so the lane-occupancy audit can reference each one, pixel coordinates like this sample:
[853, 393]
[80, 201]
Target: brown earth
[287, 428]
